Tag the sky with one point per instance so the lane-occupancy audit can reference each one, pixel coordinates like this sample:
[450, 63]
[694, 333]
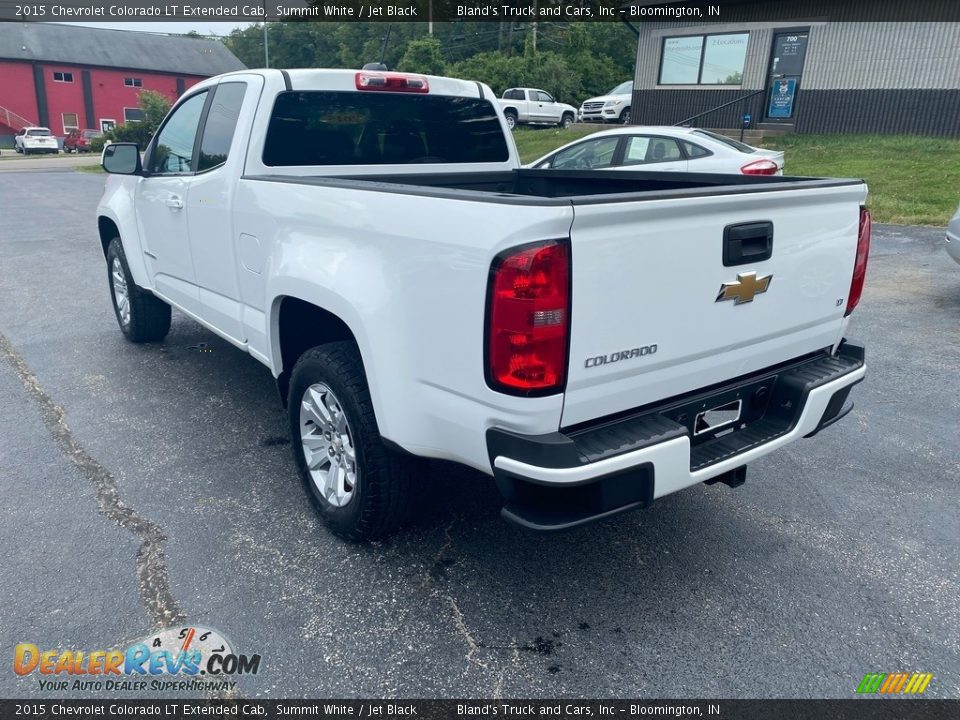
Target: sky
[204, 28]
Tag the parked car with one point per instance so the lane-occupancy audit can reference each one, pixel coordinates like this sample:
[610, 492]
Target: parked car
[35, 140]
[530, 106]
[953, 237]
[590, 343]
[662, 149]
[78, 141]
[612, 107]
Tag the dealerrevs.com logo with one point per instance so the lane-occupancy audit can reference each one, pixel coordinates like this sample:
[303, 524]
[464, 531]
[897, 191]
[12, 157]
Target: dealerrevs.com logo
[183, 658]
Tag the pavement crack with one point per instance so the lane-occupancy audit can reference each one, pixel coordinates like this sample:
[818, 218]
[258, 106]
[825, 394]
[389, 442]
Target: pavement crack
[152, 576]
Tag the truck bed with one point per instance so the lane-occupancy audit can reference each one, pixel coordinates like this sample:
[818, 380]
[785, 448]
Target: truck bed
[552, 187]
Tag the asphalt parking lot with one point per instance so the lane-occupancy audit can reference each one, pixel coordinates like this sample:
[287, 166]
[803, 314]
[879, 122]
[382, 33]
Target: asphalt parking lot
[152, 485]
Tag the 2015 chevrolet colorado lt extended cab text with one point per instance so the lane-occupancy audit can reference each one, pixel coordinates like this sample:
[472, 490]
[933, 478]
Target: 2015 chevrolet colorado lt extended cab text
[594, 340]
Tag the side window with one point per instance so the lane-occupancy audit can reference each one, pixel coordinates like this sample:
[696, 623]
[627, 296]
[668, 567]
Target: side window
[513, 95]
[636, 152]
[589, 155]
[221, 124]
[173, 152]
[695, 151]
[663, 150]
[543, 97]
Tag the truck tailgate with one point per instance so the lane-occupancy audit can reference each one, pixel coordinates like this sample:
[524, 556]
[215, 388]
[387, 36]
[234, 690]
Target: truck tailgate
[658, 310]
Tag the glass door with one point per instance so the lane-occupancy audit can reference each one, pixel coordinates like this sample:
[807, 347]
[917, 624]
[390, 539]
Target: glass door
[786, 69]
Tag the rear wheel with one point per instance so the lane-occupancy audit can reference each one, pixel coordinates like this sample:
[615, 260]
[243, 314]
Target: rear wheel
[360, 488]
[511, 119]
[142, 316]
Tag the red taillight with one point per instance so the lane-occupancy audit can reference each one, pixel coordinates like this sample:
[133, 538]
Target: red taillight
[392, 82]
[528, 319]
[860, 264]
[760, 167]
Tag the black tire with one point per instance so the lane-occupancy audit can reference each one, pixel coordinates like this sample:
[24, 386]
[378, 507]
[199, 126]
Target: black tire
[511, 119]
[566, 121]
[149, 318]
[382, 491]
[625, 116]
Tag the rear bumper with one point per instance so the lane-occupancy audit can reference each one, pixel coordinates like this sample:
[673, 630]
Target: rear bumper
[585, 473]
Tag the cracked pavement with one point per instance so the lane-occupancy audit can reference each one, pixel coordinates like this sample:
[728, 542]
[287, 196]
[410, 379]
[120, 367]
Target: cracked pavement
[148, 483]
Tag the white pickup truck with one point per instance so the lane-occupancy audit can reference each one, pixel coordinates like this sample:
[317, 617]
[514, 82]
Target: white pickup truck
[530, 106]
[593, 340]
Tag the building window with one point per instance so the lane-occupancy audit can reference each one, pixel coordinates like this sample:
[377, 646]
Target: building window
[133, 82]
[70, 122]
[704, 59]
[63, 77]
[132, 115]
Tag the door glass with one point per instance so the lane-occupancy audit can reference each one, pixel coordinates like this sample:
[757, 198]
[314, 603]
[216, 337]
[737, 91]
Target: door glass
[173, 152]
[221, 124]
[588, 155]
[786, 68]
[651, 150]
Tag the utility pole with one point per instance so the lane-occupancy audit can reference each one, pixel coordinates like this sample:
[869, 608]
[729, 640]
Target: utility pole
[430, 19]
[266, 39]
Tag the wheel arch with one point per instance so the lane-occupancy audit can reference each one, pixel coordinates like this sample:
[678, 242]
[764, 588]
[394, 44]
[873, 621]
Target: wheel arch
[108, 231]
[296, 325]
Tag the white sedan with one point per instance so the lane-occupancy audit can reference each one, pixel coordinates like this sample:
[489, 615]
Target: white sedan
[35, 140]
[662, 149]
[953, 237]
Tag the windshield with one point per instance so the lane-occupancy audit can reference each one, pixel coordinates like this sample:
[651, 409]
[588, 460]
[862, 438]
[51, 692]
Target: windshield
[37, 132]
[729, 142]
[622, 89]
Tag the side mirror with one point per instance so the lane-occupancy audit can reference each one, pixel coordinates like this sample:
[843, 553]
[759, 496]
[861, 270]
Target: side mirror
[122, 159]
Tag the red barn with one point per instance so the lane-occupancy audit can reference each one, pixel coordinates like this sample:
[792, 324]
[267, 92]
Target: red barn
[65, 77]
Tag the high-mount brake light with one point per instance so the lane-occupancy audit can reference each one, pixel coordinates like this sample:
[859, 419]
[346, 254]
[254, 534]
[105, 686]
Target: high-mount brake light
[860, 264]
[528, 319]
[760, 167]
[392, 82]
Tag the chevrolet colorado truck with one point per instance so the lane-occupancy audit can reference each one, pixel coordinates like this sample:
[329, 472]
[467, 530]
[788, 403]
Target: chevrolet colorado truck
[593, 340]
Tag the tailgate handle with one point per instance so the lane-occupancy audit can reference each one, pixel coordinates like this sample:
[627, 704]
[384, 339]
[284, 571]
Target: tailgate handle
[747, 243]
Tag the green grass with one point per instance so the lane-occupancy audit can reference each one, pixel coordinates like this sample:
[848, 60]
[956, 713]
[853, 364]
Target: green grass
[89, 168]
[912, 180]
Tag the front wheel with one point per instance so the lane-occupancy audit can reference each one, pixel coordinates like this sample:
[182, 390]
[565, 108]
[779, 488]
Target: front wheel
[142, 317]
[360, 488]
[567, 121]
[625, 117]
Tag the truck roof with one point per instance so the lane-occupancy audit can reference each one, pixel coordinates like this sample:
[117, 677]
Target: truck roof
[345, 80]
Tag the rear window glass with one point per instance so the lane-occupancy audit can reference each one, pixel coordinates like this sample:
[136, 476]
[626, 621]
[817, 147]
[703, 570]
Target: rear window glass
[373, 128]
[729, 142]
[38, 132]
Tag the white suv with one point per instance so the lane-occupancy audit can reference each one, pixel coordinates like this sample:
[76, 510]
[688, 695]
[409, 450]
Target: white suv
[612, 107]
[35, 139]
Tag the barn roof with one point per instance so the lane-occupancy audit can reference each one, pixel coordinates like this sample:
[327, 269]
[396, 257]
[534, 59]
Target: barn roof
[75, 45]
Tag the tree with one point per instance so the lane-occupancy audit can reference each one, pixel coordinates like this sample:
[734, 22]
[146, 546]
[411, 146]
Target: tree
[155, 107]
[423, 56]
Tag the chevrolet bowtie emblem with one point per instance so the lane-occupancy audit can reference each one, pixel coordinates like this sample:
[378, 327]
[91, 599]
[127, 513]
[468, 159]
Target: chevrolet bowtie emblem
[743, 290]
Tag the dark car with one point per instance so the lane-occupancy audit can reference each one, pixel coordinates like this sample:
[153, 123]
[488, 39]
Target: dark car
[79, 140]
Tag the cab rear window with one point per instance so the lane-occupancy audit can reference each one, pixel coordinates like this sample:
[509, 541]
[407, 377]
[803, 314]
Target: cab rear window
[358, 128]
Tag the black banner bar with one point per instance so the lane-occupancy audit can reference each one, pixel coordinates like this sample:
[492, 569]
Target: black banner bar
[636, 12]
[854, 709]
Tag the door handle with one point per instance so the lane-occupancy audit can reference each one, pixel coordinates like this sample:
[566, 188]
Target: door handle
[175, 202]
[747, 243]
